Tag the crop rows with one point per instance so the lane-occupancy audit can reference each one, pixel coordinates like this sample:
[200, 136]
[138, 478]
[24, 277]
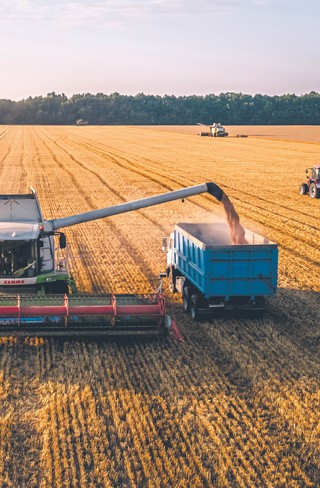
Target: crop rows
[236, 404]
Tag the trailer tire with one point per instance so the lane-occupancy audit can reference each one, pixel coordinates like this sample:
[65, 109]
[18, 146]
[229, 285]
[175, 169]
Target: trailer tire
[186, 299]
[194, 307]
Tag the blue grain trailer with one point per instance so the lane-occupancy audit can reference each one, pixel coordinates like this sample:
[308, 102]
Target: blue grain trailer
[211, 273]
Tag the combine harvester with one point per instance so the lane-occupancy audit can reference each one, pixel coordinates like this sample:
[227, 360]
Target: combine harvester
[215, 130]
[35, 281]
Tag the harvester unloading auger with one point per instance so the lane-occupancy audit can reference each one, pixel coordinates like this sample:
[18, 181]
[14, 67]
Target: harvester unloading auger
[35, 280]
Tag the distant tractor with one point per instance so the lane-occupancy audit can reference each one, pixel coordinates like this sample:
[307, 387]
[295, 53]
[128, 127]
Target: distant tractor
[312, 187]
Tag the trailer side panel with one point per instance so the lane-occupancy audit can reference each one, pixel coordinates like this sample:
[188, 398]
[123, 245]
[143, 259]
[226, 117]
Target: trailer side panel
[204, 255]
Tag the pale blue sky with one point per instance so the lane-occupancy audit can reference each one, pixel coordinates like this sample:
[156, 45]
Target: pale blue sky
[178, 47]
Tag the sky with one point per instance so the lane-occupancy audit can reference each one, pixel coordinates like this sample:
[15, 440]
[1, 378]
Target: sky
[173, 47]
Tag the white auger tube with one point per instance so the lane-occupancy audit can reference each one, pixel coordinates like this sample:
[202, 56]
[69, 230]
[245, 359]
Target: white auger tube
[210, 187]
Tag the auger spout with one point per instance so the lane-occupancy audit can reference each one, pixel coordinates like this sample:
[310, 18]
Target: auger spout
[210, 188]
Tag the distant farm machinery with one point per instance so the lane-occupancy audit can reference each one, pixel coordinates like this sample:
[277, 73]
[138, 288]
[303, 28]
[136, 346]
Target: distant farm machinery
[215, 130]
[312, 186]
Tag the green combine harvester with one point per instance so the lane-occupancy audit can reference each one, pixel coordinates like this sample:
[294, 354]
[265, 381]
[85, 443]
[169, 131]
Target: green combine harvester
[38, 295]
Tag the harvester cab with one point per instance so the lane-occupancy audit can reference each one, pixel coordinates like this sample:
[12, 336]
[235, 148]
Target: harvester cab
[217, 130]
[312, 187]
[33, 257]
[35, 282]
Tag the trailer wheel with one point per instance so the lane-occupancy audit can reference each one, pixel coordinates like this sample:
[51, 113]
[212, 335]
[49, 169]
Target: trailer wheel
[194, 307]
[186, 299]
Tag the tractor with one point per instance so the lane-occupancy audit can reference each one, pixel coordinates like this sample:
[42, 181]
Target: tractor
[312, 187]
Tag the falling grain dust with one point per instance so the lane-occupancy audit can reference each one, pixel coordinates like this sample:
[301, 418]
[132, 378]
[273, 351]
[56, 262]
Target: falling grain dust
[237, 232]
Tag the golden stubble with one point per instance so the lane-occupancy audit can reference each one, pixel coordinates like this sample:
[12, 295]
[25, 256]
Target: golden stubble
[238, 403]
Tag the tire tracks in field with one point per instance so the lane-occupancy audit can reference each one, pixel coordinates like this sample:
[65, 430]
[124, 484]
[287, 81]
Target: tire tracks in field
[49, 199]
[143, 382]
[106, 184]
[164, 174]
[264, 220]
[310, 262]
[145, 171]
[133, 252]
[184, 180]
[24, 173]
[16, 148]
[4, 133]
[146, 167]
[112, 381]
[127, 164]
[9, 150]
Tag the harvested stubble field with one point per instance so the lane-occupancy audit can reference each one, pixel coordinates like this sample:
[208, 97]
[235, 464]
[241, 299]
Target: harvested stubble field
[238, 403]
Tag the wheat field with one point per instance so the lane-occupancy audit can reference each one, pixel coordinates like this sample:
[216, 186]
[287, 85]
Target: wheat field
[237, 404]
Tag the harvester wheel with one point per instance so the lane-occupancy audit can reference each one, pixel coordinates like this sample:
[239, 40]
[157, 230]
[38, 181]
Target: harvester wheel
[314, 192]
[194, 307]
[303, 190]
[186, 299]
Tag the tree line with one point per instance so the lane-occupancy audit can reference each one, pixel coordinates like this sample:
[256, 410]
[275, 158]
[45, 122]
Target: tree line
[141, 109]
